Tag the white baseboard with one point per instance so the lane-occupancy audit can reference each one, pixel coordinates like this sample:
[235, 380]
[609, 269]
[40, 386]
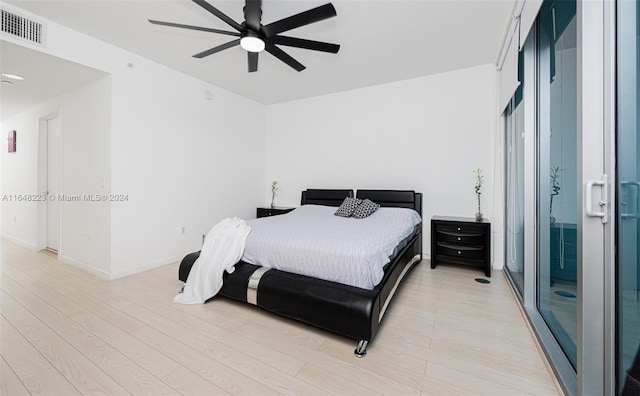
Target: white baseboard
[20, 242]
[100, 273]
[85, 267]
[145, 267]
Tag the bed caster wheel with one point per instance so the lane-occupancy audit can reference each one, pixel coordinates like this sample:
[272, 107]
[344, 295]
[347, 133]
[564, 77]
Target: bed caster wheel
[361, 350]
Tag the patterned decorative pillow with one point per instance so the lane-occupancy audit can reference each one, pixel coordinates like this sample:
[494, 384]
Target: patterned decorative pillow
[365, 209]
[347, 207]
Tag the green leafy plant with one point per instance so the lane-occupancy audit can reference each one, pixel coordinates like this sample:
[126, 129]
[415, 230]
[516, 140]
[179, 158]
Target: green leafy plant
[478, 188]
[274, 192]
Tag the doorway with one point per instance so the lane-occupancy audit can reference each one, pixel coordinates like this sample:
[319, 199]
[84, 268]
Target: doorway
[53, 183]
[49, 181]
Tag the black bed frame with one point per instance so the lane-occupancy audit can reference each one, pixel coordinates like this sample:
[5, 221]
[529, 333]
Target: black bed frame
[346, 310]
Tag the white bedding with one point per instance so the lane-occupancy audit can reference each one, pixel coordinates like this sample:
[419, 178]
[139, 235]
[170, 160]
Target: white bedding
[312, 241]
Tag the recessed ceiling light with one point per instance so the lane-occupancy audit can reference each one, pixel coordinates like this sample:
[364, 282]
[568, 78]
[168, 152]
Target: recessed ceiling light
[12, 76]
[7, 82]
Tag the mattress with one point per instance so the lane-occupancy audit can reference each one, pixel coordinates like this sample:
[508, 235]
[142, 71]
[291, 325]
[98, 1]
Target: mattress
[312, 241]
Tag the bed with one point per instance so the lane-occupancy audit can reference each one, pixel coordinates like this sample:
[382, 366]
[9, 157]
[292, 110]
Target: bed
[353, 312]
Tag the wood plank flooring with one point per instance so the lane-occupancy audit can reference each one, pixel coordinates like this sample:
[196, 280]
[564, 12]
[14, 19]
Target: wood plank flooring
[65, 332]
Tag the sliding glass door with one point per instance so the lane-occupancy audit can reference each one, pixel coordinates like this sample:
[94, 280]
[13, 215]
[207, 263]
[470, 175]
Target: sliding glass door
[569, 240]
[557, 183]
[514, 171]
[628, 187]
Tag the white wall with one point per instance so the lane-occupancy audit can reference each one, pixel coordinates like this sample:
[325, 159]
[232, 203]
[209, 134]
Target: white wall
[86, 169]
[20, 176]
[183, 161]
[426, 134]
[85, 122]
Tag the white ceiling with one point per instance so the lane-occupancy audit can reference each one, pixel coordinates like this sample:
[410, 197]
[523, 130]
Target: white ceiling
[45, 77]
[381, 41]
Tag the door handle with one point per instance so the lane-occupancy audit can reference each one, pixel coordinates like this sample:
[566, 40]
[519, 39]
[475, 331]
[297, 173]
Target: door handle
[603, 214]
[636, 184]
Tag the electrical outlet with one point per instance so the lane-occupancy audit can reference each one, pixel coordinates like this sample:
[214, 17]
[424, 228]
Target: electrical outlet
[14, 219]
[183, 230]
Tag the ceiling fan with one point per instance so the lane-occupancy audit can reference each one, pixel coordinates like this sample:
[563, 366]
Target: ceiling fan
[255, 37]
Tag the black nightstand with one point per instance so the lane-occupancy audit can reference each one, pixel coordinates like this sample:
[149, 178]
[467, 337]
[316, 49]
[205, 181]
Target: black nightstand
[269, 211]
[461, 240]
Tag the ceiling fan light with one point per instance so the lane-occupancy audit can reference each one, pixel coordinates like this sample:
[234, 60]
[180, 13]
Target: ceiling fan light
[252, 44]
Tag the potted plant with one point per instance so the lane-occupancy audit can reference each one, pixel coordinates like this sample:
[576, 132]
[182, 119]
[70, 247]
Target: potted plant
[478, 187]
[274, 192]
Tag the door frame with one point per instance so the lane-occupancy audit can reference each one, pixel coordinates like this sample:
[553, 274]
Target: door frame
[596, 161]
[41, 241]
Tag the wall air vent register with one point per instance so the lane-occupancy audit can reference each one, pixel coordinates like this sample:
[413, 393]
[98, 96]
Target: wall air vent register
[19, 26]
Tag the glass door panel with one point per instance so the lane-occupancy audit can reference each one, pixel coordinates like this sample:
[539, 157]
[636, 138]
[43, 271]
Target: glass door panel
[557, 173]
[628, 190]
[515, 191]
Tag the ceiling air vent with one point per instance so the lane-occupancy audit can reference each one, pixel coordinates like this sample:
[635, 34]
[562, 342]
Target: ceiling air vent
[22, 27]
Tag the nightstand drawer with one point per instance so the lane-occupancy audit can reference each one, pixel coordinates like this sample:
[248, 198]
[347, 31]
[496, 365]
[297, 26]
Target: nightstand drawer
[459, 237]
[467, 252]
[461, 240]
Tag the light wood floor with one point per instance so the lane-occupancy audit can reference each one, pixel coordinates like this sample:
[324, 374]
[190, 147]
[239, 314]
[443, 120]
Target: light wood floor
[64, 331]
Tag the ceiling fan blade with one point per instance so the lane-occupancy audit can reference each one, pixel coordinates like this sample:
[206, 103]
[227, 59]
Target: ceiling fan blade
[304, 18]
[253, 14]
[305, 44]
[283, 56]
[252, 58]
[217, 49]
[203, 29]
[219, 14]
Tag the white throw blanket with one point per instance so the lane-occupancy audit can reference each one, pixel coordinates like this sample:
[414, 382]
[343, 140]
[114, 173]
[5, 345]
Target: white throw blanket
[223, 247]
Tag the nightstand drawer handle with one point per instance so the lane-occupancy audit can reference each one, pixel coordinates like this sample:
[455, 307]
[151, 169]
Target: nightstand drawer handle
[459, 252]
[458, 238]
[458, 228]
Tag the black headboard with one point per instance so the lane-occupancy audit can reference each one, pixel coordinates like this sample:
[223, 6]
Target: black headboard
[386, 198]
[325, 197]
[394, 198]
